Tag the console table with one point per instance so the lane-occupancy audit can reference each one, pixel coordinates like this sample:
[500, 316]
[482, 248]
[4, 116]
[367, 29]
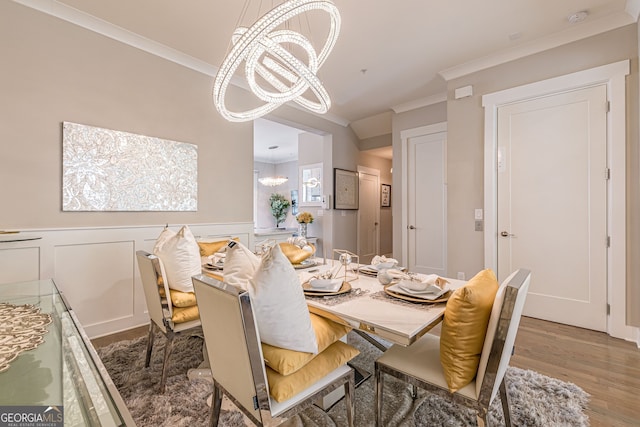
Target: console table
[64, 370]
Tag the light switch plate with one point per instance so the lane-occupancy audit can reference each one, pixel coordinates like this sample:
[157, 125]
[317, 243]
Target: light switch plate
[479, 225]
[478, 214]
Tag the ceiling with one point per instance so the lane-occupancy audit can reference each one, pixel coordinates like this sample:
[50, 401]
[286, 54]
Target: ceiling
[267, 133]
[409, 48]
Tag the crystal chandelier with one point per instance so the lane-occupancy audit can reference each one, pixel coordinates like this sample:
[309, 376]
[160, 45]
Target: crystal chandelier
[261, 48]
[273, 181]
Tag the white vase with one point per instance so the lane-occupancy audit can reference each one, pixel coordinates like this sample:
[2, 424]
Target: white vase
[303, 229]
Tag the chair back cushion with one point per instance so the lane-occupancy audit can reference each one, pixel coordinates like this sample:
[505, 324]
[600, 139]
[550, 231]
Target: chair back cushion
[515, 294]
[464, 327]
[279, 304]
[180, 257]
[148, 265]
[491, 331]
[233, 343]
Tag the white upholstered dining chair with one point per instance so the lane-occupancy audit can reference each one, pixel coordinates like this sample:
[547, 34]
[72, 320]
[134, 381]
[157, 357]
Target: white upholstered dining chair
[419, 364]
[237, 364]
[163, 315]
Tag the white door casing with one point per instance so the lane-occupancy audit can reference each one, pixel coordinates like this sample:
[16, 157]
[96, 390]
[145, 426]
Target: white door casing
[552, 203]
[613, 76]
[424, 208]
[368, 214]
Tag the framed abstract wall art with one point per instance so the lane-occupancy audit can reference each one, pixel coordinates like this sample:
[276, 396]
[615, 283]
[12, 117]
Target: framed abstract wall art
[109, 170]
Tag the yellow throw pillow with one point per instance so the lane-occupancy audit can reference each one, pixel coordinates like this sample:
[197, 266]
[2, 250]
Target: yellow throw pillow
[464, 327]
[210, 248]
[185, 314]
[283, 387]
[182, 299]
[286, 361]
[295, 254]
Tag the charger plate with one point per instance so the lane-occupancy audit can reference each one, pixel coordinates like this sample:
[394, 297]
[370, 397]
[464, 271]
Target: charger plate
[308, 290]
[404, 297]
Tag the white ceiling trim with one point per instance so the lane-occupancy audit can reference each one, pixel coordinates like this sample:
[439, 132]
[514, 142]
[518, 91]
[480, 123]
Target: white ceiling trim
[107, 29]
[633, 9]
[580, 31]
[419, 103]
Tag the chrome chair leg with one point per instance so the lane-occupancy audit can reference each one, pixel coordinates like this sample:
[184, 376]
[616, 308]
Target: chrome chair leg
[349, 393]
[505, 403]
[414, 391]
[378, 386]
[152, 335]
[216, 406]
[165, 364]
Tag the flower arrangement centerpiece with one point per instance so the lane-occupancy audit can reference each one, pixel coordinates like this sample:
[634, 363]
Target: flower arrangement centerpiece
[304, 218]
[279, 207]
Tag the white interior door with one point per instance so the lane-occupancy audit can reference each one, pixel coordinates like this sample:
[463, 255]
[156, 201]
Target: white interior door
[552, 203]
[427, 204]
[368, 214]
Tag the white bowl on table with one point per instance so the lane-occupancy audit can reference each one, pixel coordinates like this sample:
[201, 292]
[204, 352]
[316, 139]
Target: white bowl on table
[385, 265]
[324, 283]
[420, 286]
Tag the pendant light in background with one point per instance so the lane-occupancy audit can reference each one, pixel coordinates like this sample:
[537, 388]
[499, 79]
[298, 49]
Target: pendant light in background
[273, 181]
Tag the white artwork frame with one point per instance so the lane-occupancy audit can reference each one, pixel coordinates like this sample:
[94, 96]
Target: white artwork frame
[109, 170]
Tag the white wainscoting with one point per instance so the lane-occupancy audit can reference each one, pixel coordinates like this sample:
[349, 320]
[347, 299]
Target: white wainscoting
[96, 268]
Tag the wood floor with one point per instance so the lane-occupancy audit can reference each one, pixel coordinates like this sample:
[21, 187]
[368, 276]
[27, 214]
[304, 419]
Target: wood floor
[606, 368]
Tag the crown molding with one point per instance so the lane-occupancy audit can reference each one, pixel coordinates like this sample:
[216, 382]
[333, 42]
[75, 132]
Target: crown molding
[633, 9]
[107, 29]
[578, 32]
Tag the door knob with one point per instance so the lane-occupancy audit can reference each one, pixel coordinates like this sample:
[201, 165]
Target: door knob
[507, 234]
[411, 227]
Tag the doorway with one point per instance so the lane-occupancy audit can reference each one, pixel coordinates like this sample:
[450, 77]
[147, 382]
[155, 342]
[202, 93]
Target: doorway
[612, 76]
[368, 214]
[425, 207]
[552, 203]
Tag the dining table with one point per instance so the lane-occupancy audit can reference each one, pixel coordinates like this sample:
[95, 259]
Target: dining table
[371, 310]
[366, 305]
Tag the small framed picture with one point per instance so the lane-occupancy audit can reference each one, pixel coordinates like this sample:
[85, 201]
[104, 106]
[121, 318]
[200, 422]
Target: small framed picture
[345, 189]
[385, 195]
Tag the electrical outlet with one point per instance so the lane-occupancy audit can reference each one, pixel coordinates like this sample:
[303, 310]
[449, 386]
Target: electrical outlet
[460, 275]
[479, 225]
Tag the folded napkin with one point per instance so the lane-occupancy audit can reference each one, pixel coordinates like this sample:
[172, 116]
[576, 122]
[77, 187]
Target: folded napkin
[424, 283]
[381, 259]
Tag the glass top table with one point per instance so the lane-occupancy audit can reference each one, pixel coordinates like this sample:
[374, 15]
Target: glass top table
[64, 370]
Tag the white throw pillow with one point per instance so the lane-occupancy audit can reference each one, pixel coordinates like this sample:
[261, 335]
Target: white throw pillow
[180, 256]
[165, 235]
[240, 264]
[279, 305]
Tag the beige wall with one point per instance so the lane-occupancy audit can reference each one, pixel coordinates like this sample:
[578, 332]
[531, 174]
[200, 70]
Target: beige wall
[54, 72]
[466, 141]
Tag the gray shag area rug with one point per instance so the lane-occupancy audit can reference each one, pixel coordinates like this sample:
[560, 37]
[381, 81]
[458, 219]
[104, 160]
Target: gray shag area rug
[536, 400]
